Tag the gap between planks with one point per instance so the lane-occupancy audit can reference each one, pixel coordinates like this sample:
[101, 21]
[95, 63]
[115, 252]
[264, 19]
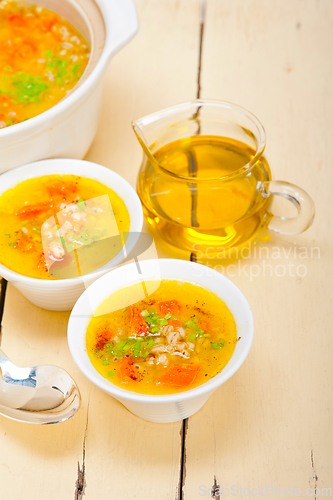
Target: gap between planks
[193, 258]
[81, 483]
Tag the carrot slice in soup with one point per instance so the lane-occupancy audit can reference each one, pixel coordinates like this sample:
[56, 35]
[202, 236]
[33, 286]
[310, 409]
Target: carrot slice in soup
[127, 370]
[179, 375]
[174, 322]
[204, 325]
[59, 189]
[138, 324]
[170, 306]
[33, 210]
[103, 338]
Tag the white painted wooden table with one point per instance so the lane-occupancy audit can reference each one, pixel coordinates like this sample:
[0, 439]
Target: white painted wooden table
[270, 426]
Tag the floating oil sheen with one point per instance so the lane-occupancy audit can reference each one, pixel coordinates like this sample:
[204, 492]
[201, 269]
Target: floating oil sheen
[42, 57]
[175, 339]
[204, 195]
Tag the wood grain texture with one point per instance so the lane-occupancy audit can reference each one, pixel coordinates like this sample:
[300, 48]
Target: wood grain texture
[271, 424]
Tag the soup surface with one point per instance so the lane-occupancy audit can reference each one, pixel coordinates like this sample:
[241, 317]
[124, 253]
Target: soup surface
[60, 226]
[177, 338]
[42, 57]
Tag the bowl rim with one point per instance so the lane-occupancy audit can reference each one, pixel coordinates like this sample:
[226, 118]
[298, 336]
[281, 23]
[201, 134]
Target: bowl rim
[204, 389]
[135, 213]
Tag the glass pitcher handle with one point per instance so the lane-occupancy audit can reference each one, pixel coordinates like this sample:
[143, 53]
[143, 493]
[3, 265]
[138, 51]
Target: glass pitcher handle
[299, 198]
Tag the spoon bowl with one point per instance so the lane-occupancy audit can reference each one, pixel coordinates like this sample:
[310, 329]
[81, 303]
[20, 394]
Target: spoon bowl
[42, 394]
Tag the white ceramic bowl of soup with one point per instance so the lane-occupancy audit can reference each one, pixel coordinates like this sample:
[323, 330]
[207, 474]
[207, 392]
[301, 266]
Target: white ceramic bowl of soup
[171, 407]
[61, 295]
[67, 129]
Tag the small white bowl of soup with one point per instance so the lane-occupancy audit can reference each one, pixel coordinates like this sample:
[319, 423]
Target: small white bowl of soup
[161, 336]
[64, 223]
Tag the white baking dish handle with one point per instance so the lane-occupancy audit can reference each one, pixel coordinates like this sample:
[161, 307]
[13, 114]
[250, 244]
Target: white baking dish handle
[121, 23]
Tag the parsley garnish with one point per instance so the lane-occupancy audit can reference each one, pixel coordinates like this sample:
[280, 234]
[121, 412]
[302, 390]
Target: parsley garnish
[193, 324]
[136, 347]
[218, 345]
[154, 321]
[81, 205]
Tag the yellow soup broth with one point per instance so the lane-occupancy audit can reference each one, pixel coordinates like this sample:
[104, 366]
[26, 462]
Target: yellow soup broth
[42, 57]
[55, 227]
[179, 337]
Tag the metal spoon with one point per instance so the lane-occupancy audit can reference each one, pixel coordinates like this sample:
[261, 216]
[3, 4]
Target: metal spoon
[39, 395]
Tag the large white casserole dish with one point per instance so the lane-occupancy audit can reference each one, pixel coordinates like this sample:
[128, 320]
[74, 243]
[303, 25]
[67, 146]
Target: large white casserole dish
[68, 128]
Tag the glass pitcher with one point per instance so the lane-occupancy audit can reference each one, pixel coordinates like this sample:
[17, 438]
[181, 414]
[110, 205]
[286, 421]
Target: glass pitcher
[204, 182]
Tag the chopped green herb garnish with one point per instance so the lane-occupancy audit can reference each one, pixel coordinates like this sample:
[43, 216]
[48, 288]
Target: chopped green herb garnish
[111, 373]
[218, 345]
[125, 309]
[136, 347]
[24, 223]
[105, 362]
[7, 234]
[49, 53]
[28, 87]
[81, 205]
[192, 323]
[193, 337]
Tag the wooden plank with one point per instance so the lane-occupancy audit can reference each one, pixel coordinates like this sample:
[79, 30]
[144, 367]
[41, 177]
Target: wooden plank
[270, 424]
[38, 459]
[119, 455]
[156, 70]
[127, 457]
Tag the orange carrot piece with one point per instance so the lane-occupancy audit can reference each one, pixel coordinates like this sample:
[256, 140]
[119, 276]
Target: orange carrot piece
[180, 375]
[174, 322]
[16, 20]
[47, 24]
[170, 306]
[103, 338]
[204, 325]
[128, 372]
[59, 189]
[138, 324]
[33, 210]
[25, 246]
